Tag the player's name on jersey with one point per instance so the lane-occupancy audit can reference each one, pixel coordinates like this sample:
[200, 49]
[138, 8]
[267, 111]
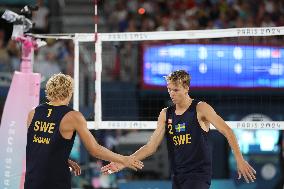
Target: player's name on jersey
[41, 140]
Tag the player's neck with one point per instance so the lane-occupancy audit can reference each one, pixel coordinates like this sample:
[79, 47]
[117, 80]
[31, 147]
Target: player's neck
[185, 103]
[57, 103]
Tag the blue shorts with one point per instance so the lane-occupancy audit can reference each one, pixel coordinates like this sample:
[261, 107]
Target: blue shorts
[189, 183]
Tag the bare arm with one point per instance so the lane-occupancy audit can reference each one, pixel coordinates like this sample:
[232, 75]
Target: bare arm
[96, 150]
[30, 117]
[146, 150]
[78, 122]
[207, 113]
[155, 140]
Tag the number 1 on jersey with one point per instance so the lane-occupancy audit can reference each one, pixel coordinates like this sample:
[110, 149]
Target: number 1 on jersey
[49, 112]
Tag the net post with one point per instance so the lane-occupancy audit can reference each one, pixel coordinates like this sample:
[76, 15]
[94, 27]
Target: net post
[98, 86]
[76, 74]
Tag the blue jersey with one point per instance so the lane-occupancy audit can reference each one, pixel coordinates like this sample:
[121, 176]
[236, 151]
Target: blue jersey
[47, 152]
[188, 146]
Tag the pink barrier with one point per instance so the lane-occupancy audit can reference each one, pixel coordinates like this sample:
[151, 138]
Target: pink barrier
[23, 95]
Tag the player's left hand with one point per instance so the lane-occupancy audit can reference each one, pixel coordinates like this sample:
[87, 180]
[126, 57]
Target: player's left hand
[75, 168]
[246, 171]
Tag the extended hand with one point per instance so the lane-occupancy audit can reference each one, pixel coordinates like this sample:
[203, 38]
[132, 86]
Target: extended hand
[76, 169]
[132, 163]
[129, 161]
[112, 167]
[245, 170]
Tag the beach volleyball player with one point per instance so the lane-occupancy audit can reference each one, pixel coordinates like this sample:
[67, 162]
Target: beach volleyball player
[186, 126]
[52, 128]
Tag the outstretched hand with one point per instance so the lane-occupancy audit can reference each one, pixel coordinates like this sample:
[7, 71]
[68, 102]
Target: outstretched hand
[132, 163]
[75, 168]
[246, 171]
[112, 167]
[129, 161]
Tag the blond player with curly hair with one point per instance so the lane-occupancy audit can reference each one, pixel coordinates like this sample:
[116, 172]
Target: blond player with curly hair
[186, 126]
[52, 128]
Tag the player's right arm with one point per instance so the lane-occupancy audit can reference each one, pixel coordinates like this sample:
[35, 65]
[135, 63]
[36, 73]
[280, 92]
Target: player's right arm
[146, 150]
[78, 122]
[155, 140]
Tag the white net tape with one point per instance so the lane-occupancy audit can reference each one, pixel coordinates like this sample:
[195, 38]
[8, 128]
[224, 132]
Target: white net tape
[252, 125]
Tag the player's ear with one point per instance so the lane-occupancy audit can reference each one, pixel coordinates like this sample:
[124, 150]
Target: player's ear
[186, 87]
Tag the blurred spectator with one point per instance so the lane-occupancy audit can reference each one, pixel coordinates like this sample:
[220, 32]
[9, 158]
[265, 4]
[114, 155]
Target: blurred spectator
[131, 27]
[40, 18]
[68, 57]
[280, 21]
[47, 62]
[48, 66]
[267, 22]
[4, 55]
[147, 24]
[129, 71]
[165, 24]
[15, 54]
[118, 17]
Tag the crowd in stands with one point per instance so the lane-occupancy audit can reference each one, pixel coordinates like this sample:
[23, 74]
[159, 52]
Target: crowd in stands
[166, 15]
[143, 15]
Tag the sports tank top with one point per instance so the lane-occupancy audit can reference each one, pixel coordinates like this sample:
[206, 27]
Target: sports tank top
[47, 152]
[188, 146]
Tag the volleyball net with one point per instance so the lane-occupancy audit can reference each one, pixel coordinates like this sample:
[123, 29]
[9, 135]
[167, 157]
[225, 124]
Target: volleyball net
[239, 71]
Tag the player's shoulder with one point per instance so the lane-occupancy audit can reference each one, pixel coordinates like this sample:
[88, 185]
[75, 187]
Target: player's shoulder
[164, 110]
[32, 112]
[73, 118]
[73, 115]
[42, 105]
[163, 113]
[202, 105]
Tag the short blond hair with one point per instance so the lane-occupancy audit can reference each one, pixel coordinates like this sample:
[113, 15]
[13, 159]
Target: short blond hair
[179, 77]
[59, 87]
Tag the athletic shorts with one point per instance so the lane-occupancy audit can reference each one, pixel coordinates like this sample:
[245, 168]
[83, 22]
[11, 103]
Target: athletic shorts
[189, 183]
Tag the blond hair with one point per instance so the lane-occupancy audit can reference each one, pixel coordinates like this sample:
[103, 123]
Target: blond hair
[59, 87]
[179, 77]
